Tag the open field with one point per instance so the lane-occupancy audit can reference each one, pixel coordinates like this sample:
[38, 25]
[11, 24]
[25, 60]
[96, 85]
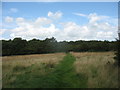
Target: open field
[99, 68]
[16, 65]
[77, 70]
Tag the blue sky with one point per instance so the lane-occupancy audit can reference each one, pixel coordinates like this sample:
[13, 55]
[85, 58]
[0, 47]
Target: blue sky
[63, 20]
[31, 9]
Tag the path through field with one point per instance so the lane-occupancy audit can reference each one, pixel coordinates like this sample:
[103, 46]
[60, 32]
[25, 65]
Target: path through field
[62, 76]
[60, 70]
[66, 76]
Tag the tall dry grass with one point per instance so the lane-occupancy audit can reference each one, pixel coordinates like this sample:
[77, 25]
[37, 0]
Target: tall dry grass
[0, 72]
[98, 67]
[27, 60]
[16, 65]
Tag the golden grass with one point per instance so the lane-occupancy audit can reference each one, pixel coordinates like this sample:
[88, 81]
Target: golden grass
[0, 72]
[9, 63]
[32, 59]
[98, 67]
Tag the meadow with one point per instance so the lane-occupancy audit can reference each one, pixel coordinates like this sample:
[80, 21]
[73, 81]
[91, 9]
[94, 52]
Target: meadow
[60, 70]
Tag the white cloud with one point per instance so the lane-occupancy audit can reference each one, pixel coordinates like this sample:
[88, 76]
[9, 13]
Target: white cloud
[104, 35]
[8, 19]
[30, 31]
[119, 30]
[13, 10]
[55, 15]
[72, 31]
[21, 22]
[20, 19]
[43, 21]
[2, 31]
[42, 27]
[50, 14]
[101, 27]
[80, 14]
[93, 18]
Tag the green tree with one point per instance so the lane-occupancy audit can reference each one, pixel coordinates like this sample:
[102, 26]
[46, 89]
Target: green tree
[18, 46]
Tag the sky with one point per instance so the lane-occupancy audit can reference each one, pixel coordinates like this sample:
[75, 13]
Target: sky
[68, 21]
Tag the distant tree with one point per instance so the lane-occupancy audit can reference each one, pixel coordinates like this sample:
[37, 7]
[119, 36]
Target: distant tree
[6, 47]
[50, 45]
[18, 46]
[32, 46]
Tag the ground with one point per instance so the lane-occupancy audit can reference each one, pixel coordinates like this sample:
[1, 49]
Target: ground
[75, 70]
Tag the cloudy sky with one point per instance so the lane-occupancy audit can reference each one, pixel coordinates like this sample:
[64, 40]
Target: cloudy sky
[62, 20]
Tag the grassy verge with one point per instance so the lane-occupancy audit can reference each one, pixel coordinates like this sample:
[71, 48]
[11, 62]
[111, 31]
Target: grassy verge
[61, 76]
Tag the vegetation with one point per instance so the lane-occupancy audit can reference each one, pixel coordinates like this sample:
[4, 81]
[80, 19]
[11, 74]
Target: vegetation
[63, 75]
[88, 65]
[99, 68]
[20, 70]
[18, 46]
[75, 70]
[117, 57]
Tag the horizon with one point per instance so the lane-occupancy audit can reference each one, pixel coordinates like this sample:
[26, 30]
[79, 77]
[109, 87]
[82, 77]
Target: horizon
[66, 21]
[55, 39]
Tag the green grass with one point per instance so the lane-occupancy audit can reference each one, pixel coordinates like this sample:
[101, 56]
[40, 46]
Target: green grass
[71, 70]
[95, 65]
[62, 76]
[67, 76]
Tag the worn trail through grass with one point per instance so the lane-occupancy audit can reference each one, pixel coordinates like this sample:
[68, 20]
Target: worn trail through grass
[63, 76]
[66, 75]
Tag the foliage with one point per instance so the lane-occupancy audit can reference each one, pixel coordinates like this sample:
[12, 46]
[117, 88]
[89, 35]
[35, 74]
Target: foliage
[18, 46]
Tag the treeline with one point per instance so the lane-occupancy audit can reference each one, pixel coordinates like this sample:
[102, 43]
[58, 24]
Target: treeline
[19, 46]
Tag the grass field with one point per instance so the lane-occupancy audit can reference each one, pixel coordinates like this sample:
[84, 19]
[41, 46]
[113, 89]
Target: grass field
[99, 68]
[58, 70]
